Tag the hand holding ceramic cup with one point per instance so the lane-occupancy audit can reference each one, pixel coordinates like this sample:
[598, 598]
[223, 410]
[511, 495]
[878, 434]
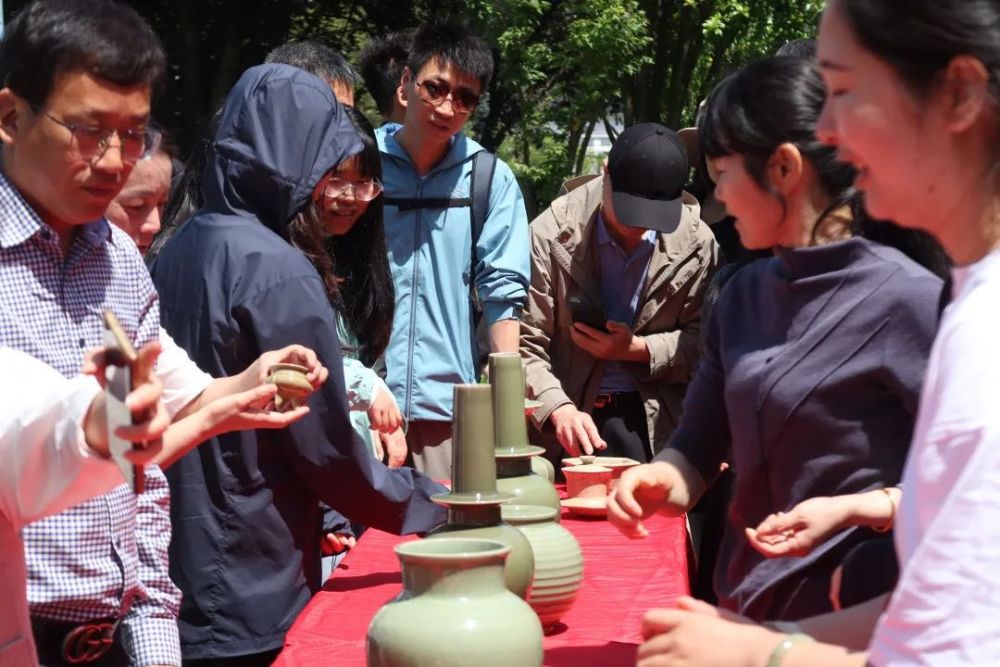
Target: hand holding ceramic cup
[293, 385]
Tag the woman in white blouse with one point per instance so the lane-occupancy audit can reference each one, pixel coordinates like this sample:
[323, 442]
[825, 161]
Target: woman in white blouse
[54, 453]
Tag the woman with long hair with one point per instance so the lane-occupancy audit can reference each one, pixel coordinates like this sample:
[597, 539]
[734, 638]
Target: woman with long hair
[914, 106]
[812, 359]
[246, 273]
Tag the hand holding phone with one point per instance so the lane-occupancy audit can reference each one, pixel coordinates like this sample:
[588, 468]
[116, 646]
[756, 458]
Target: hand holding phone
[124, 372]
[587, 312]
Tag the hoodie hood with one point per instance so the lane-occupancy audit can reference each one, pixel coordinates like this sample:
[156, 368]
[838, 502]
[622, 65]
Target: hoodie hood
[280, 130]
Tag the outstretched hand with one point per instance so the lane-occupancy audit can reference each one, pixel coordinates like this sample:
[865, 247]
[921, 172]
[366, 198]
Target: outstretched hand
[798, 531]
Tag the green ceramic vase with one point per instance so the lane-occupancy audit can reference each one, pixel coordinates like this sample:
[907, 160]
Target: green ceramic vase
[454, 611]
[474, 501]
[514, 453]
[558, 561]
[542, 467]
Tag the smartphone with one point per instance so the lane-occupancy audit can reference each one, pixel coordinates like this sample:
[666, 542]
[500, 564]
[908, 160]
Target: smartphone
[587, 312]
[122, 374]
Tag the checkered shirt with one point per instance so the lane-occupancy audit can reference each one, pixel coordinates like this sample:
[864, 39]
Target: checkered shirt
[105, 558]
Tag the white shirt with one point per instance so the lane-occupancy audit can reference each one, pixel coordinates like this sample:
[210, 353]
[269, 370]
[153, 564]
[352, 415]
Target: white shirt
[45, 467]
[946, 607]
[182, 380]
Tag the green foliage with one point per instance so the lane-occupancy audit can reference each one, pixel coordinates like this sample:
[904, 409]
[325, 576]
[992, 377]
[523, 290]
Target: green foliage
[562, 66]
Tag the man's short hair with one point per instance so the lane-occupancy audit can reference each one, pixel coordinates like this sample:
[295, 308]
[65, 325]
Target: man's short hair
[106, 39]
[382, 62]
[317, 59]
[799, 48]
[454, 45]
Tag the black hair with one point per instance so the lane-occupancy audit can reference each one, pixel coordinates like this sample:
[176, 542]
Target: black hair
[381, 62]
[800, 48]
[918, 38]
[779, 100]
[106, 39]
[317, 59]
[452, 44]
[185, 189]
[366, 296]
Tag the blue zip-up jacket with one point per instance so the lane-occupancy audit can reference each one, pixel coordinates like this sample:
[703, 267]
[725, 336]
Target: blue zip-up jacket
[245, 506]
[433, 342]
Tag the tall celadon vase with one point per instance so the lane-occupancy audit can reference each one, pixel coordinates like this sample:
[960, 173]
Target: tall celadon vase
[474, 501]
[514, 454]
[454, 611]
[558, 561]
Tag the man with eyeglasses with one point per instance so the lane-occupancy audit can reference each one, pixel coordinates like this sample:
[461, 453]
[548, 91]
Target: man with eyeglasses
[74, 119]
[445, 239]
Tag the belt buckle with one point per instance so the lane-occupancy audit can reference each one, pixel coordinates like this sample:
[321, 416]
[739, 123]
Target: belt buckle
[88, 642]
[603, 400]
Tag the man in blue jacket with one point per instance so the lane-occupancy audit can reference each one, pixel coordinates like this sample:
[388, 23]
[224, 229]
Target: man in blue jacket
[436, 253]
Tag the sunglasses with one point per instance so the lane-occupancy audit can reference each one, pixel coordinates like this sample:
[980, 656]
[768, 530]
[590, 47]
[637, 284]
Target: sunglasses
[463, 100]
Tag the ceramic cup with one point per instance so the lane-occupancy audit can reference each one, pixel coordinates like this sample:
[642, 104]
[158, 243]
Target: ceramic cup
[587, 481]
[293, 385]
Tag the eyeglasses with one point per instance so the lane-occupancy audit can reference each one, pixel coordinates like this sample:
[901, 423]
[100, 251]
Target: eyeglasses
[463, 100]
[92, 141]
[363, 190]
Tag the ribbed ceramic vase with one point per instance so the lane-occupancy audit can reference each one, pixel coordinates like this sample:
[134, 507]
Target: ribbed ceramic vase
[474, 501]
[558, 561]
[454, 611]
[514, 454]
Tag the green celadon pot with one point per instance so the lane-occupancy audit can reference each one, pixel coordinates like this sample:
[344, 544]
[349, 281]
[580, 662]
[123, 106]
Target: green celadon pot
[558, 561]
[515, 476]
[454, 611]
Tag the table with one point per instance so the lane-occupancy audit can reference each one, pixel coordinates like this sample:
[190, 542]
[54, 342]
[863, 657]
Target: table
[622, 579]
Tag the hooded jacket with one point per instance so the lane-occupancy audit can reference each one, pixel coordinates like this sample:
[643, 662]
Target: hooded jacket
[245, 505]
[433, 346]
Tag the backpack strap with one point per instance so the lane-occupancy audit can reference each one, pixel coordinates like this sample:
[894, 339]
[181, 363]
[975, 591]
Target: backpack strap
[412, 203]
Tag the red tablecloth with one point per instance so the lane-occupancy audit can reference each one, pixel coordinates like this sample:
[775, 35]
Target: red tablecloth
[622, 579]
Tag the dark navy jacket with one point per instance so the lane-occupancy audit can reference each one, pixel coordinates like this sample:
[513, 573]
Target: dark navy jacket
[245, 506]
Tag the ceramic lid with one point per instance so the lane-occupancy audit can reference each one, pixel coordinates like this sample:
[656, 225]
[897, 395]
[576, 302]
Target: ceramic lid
[459, 499]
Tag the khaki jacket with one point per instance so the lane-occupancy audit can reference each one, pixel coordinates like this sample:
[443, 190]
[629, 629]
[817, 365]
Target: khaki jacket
[668, 314]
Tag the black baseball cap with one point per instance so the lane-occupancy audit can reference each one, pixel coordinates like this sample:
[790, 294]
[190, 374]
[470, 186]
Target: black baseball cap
[648, 167]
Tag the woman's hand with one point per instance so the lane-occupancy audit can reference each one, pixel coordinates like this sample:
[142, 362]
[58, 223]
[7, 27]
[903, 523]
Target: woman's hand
[801, 529]
[383, 415]
[394, 445]
[253, 409]
[701, 639]
[641, 492]
[256, 374]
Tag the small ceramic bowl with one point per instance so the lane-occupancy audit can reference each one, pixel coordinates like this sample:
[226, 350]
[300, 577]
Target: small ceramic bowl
[587, 481]
[293, 385]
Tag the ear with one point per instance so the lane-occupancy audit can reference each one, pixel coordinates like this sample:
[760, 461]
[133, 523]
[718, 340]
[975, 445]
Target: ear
[9, 116]
[784, 171]
[605, 165]
[966, 89]
[404, 84]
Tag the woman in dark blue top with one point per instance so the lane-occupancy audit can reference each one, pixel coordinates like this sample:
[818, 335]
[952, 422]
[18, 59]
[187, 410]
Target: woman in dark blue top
[813, 358]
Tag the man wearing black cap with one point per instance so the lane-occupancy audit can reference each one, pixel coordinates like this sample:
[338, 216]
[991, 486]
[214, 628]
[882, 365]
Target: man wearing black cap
[619, 266]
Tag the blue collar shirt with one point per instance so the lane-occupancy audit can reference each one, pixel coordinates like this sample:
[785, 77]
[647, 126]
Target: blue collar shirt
[623, 277]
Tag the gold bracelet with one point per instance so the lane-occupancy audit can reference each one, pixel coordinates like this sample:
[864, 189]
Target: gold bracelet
[786, 645]
[892, 513]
